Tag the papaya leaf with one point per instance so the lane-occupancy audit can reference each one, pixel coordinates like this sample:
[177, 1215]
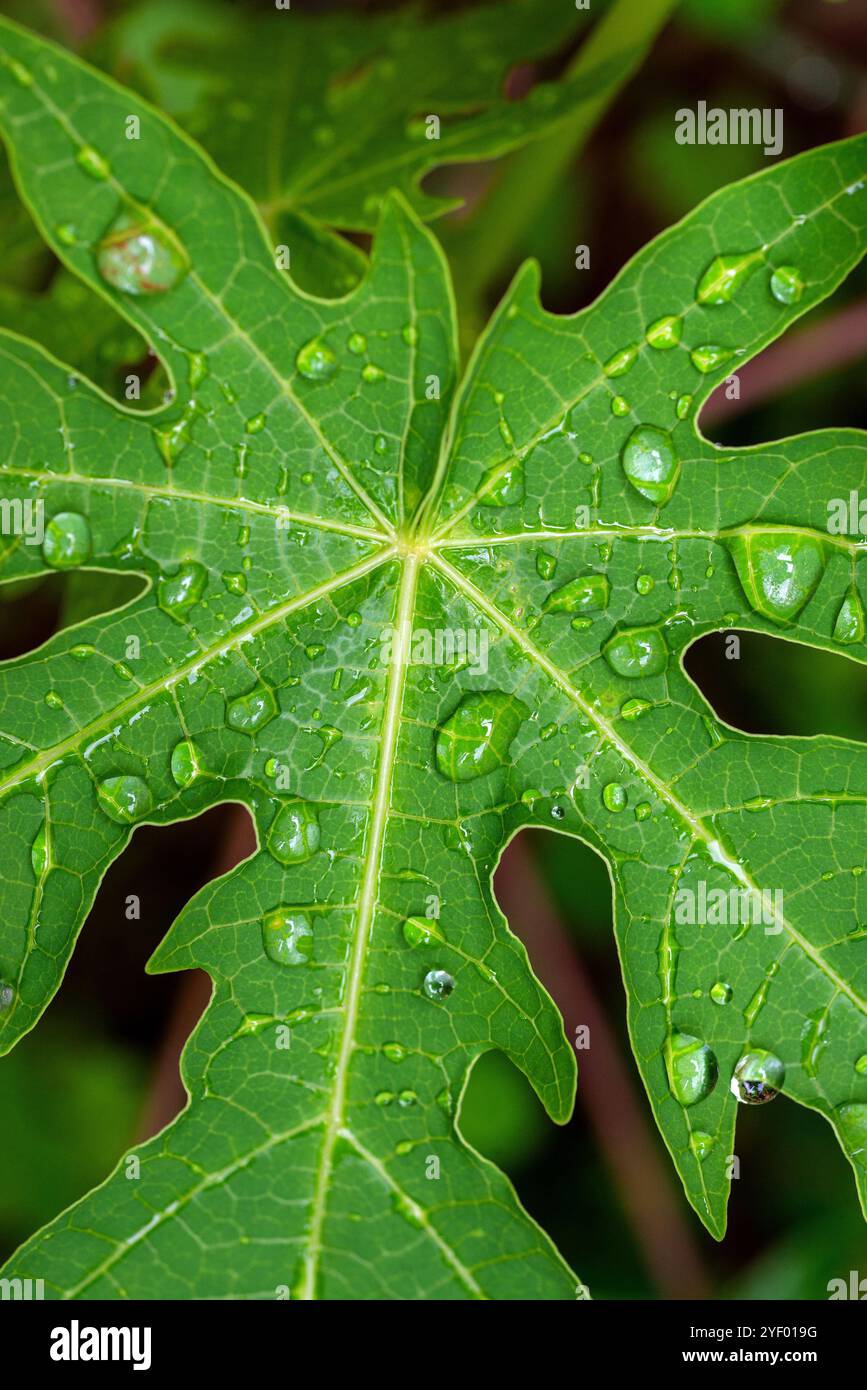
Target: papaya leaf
[400, 620]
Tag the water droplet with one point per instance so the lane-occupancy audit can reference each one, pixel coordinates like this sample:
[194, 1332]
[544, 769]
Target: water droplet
[357, 344]
[438, 984]
[683, 406]
[67, 541]
[287, 936]
[371, 373]
[861, 1064]
[720, 992]
[66, 234]
[53, 700]
[849, 626]
[643, 810]
[384, 1098]
[546, 565]
[786, 284]
[621, 361]
[644, 583]
[709, 356]
[700, 1144]
[185, 763]
[394, 1051]
[124, 799]
[633, 709]
[178, 592]
[619, 406]
[778, 571]
[725, 275]
[7, 997]
[251, 712]
[316, 361]
[256, 423]
[814, 1040]
[665, 333]
[651, 464]
[636, 651]
[614, 797]
[475, 739]
[588, 592]
[92, 162]
[295, 834]
[853, 1127]
[757, 1077]
[22, 75]
[139, 257]
[503, 488]
[417, 931]
[39, 852]
[692, 1068]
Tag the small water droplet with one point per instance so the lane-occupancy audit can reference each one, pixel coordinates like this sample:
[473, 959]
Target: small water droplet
[139, 257]
[125, 798]
[295, 833]
[185, 763]
[651, 464]
[438, 984]
[692, 1068]
[476, 738]
[394, 1051]
[644, 584]
[417, 931]
[757, 1077]
[709, 356]
[621, 361]
[643, 810]
[581, 595]
[849, 626]
[7, 997]
[287, 936]
[92, 162]
[357, 344]
[67, 541]
[861, 1064]
[683, 406]
[619, 406]
[176, 593]
[635, 652]
[251, 712]
[546, 565]
[700, 1144]
[371, 373]
[633, 709]
[614, 797]
[786, 284]
[664, 333]
[503, 488]
[853, 1127]
[316, 360]
[39, 852]
[720, 992]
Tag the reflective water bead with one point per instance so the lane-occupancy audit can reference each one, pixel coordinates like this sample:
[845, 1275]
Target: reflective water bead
[778, 570]
[725, 275]
[651, 463]
[635, 652]
[664, 333]
[476, 737]
[614, 797]
[581, 595]
[287, 936]
[139, 258]
[438, 984]
[124, 798]
[786, 284]
[316, 360]
[757, 1077]
[67, 541]
[295, 833]
[251, 712]
[185, 763]
[176, 593]
[692, 1068]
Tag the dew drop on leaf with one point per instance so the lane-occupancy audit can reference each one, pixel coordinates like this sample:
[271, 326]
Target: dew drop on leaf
[251, 712]
[778, 570]
[316, 360]
[852, 1119]
[621, 361]
[185, 763]
[287, 936]
[709, 356]
[438, 984]
[636, 651]
[720, 992]
[476, 737]
[417, 931]
[295, 833]
[178, 592]
[700, 1144]
[861, 1064]
[651, 464]
[394, 1051]
[725, 275]
[139, 257]
[757, 1077]
[614, 797]
[692, 1068]
[787, 285]
[125, 798]
[67, 541]
[503, 488]
[7, 997]
[39, 852]
[664, 334]
[849, 626]
[582, 595]
[92, 162]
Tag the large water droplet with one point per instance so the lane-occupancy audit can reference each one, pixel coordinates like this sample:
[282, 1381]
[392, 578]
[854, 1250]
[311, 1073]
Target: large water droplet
[251, 712]
[621, 361]
[295, 834]
[588, 592]
[651, 464]
[725, 275]
[692, 1068]
[708, 356]
[786, 284]
[720, 992]
[287, 936]
[614, 797]
[124, 799]
[502, 488]
[438, 984]
[636, 651]
[67, 541]
[417, 931]
[757, 1077]
[475, 739]
[139, 257]
[185, 763]
[778, 570]
[316, 360]
[176, 593]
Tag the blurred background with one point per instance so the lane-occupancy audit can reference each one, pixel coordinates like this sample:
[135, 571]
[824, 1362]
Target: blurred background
[101, 1073]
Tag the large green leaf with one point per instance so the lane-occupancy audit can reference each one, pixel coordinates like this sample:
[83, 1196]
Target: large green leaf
[308, 512]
